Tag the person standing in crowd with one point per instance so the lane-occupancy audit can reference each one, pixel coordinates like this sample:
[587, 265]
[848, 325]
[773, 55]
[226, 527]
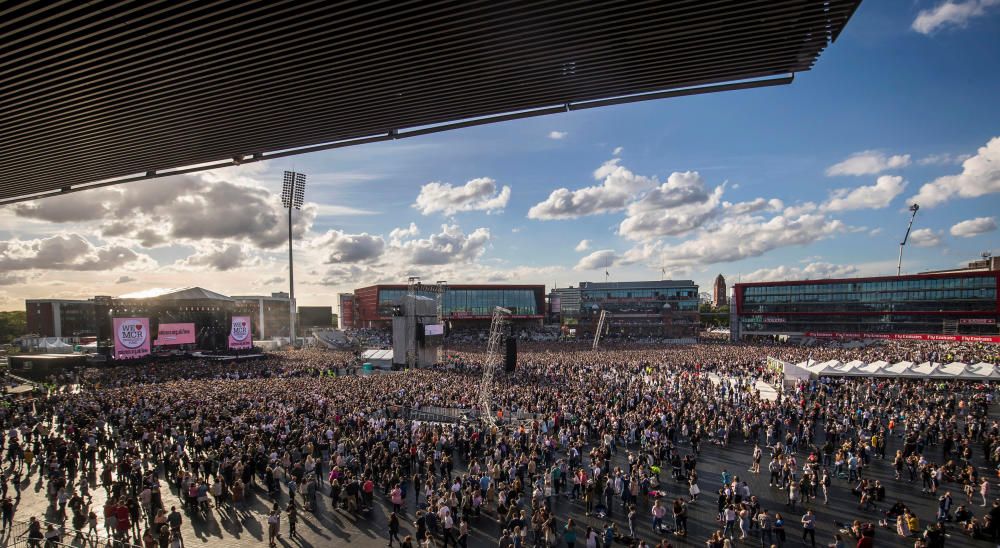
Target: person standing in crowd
[273, 526]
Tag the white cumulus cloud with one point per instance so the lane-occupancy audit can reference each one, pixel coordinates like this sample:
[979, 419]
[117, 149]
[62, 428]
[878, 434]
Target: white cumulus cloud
[925, 237]
[557, 135]
[752, 206]
[618, 187]
[451, 245]
[584, 245]
[598, 259]
[671, 211]
[812, 271]
[738, 238]
[943, 159]
[68, 252]
[868, 162]
[476, 195]
[222, 257]
[184, 209]
[980, 176]
[876, 196]
[398, 234]
[974, 227]
[951, 14]
[340, 247]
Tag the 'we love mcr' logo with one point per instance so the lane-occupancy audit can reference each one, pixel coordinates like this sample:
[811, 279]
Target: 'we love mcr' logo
[131, 333]
[240, 330]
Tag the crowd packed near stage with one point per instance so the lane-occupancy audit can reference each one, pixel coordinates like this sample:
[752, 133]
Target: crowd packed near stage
[609, 448]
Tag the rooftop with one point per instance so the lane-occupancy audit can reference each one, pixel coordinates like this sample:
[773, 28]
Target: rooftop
[636, 285]
[112, 90]
[176, 294]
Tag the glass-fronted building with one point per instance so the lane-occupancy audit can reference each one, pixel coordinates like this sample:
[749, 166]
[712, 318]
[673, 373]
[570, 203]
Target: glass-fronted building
[942, 306]
[462, 304]
[662, 309]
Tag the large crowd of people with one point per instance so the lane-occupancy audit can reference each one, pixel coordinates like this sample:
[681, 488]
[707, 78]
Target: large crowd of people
[614, 435]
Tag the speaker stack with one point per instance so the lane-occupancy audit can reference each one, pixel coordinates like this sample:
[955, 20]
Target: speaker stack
[510, 356]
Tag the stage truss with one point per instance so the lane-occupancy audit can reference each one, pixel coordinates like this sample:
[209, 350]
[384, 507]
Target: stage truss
[498, 330]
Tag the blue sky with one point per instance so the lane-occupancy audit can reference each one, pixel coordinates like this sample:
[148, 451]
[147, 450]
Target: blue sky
[906, 97]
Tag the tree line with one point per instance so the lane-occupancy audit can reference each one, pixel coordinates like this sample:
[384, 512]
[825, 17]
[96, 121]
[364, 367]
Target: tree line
[13, 324]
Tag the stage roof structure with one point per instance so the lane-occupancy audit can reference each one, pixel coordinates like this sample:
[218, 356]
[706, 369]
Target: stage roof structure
[111, 91]
[177, 294]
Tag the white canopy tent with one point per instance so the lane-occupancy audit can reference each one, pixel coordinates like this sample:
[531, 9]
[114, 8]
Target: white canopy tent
[872, 369]
[795, 373]
[905, 369]
[955, 369]
[825, 369]
[984, 371]
[55, 345]
[852, 369]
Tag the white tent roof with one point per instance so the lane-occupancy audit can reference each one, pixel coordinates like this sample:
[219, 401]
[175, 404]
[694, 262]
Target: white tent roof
[984, 371]
[927, 369]
[955, 369]
[905, 369]
[852, 369]
[825, 369]
[872, 368]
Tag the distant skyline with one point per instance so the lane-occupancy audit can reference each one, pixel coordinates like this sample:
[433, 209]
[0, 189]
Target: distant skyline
[810, 180]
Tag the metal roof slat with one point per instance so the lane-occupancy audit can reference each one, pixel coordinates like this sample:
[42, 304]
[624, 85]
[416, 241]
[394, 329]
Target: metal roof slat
[461, 80]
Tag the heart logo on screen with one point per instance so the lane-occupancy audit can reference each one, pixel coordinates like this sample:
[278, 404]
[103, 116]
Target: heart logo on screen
[138, 327]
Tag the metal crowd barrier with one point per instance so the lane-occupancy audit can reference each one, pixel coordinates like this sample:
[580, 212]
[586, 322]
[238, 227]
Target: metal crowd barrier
[70, 538]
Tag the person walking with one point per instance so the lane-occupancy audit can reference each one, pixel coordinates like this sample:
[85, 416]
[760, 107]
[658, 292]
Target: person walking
[394, 529]
[809, 527]
[293, 517]
[569, 533]
[766, 525]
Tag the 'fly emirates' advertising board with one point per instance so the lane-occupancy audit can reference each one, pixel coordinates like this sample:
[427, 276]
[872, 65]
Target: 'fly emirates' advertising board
[239, 334]
[131, 338]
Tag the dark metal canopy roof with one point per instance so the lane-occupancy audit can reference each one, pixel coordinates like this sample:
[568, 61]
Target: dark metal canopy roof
[91, 91]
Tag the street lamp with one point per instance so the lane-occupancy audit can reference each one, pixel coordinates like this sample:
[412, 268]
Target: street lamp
[293, 191]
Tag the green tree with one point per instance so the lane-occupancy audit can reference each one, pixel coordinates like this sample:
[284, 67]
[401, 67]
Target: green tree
[13, 324]
[714, 316]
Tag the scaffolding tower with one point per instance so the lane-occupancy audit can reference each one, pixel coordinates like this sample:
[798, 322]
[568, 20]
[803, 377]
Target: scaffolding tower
[498, 330]
[602, 322]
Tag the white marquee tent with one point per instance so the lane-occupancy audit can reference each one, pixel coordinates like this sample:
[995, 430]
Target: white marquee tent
[927, 370]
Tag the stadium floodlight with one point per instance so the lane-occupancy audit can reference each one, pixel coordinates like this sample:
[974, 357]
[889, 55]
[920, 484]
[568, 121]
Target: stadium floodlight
[293, 193]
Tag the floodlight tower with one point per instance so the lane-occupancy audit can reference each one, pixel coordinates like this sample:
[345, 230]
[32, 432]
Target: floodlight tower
[293, 192]
[899, 264]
